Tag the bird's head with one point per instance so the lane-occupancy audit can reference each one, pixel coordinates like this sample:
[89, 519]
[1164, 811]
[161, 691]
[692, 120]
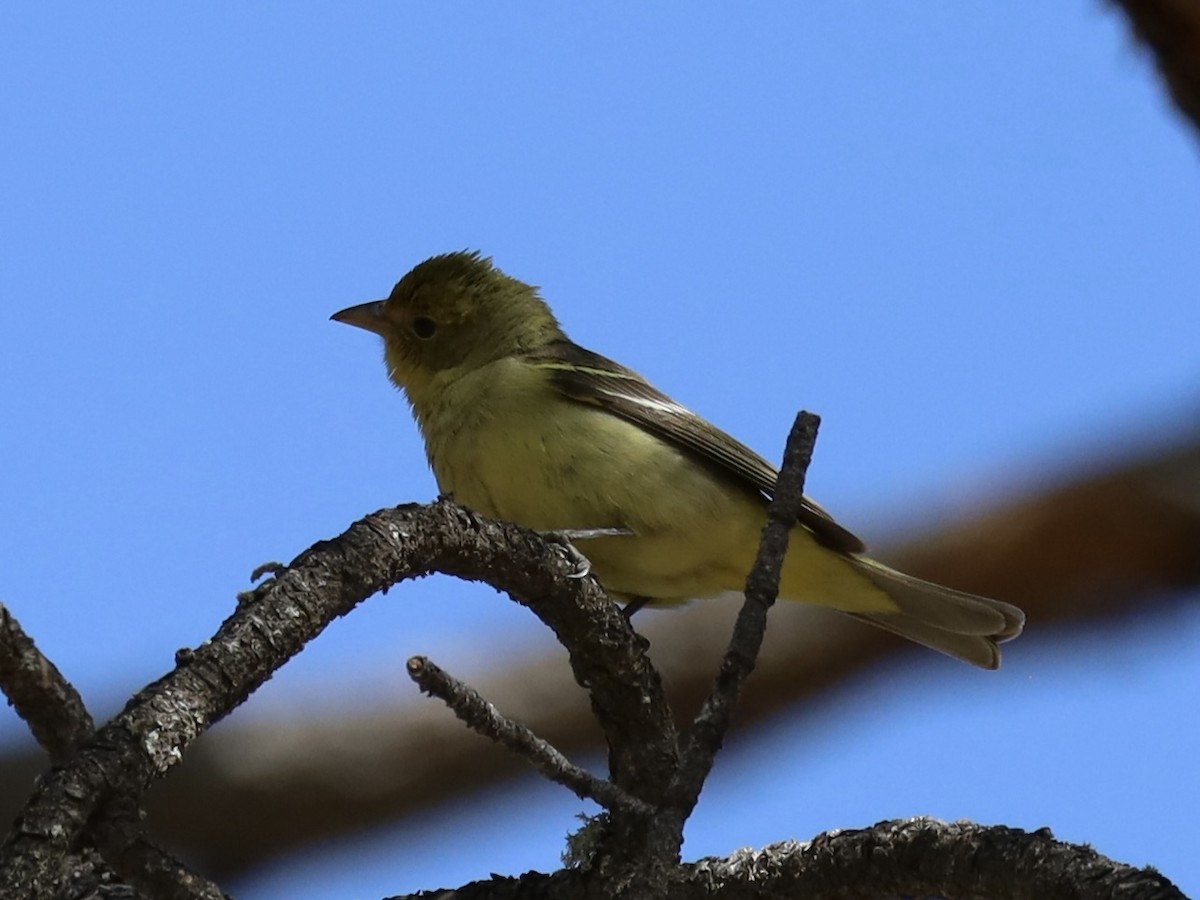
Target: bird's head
[454, 311]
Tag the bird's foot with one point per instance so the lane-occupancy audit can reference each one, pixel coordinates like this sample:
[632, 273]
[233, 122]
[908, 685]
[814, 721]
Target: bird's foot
[580, 564]
[634, 604]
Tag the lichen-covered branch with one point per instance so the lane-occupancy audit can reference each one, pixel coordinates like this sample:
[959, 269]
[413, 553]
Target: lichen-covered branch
[56, 715]
[273, 623]
[899, 858]
[39, 693]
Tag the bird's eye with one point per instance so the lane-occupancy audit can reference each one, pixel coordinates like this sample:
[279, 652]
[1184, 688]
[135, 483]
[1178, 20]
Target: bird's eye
[424, 327]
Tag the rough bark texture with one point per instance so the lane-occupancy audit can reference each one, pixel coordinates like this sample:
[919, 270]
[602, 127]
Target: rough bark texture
[274, 622]
[56, 715]
[901, 858]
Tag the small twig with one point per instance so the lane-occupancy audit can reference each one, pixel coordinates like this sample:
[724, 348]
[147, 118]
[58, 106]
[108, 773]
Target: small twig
[480, 715]
[704, 738]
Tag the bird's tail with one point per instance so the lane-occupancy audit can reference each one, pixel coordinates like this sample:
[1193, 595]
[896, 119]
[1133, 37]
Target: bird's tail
[961, 625]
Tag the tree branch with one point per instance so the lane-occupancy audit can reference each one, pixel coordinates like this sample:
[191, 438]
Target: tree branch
[638, 847]
[900, 858]
[56, 715]
[707, 733]
[275, 621]
[39, 693]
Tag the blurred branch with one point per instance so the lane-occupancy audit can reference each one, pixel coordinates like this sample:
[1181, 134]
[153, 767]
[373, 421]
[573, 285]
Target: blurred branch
[1110, 542]
[1170, 29]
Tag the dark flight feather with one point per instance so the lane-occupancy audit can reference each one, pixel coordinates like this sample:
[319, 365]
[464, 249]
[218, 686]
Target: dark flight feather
[588, 377]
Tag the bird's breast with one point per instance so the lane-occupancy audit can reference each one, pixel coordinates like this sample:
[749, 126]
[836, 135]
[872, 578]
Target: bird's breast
[505, 443]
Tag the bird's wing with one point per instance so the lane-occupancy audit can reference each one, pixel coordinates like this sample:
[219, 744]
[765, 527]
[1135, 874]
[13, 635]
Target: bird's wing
[588, 377]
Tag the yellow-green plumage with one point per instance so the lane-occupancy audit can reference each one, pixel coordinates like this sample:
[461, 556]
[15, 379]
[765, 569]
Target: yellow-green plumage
[521, 424]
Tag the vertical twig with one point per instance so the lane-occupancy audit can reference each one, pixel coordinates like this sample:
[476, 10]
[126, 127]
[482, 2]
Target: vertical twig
[703, 740]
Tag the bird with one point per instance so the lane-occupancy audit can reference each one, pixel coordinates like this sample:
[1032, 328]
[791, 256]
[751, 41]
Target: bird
[520, 423]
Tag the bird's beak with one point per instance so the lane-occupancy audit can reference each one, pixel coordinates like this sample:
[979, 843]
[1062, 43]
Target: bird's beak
[365, 315]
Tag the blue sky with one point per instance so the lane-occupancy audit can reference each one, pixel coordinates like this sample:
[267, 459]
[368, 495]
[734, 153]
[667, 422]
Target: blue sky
[963, 234]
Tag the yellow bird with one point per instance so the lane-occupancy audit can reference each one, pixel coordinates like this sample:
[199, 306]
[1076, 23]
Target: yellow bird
[522, 424]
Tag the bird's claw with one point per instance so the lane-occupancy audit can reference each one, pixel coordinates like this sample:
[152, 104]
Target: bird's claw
[581, 566]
